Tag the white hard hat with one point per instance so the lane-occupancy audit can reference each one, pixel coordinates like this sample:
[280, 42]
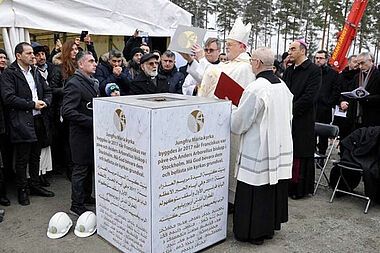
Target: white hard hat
[59, 225]
[86, 224]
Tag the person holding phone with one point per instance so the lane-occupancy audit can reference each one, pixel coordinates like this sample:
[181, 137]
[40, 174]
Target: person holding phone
[89, 45]
[136, 41]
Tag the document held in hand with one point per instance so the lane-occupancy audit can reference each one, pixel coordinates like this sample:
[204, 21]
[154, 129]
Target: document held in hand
[227, 87]
[357, 93]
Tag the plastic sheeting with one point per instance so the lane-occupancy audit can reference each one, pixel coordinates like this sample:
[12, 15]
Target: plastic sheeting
[111, 17]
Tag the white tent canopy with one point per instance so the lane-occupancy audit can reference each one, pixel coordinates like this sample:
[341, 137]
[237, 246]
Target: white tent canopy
[101, 17]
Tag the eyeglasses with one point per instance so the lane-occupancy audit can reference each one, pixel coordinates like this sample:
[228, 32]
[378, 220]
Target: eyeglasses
[152, 63]
[209, 50]
[362, 62]
[254, 59]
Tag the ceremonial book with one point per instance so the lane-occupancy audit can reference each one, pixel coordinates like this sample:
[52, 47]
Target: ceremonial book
[227, 87]
[357, 93]
[185, 37]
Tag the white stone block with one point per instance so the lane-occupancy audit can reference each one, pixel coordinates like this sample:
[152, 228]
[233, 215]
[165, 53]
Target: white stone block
[161, 171]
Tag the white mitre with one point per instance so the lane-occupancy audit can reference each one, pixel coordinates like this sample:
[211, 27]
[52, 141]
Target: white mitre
[240, 32]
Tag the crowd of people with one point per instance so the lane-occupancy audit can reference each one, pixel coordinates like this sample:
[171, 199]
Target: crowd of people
[46, 115]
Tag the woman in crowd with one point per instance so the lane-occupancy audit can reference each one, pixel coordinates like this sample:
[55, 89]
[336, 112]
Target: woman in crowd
[65, 68]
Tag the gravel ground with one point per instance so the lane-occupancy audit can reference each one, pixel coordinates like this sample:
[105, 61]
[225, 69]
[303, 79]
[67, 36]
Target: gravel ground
[314, 225]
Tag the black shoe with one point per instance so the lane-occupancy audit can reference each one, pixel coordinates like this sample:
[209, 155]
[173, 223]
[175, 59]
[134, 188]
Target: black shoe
[43, 181]
[231, 208]
[39, 191]
[23, 197]
[4, 201]
[78, 210]
[257, 241]
[90, 201]
[296, 197]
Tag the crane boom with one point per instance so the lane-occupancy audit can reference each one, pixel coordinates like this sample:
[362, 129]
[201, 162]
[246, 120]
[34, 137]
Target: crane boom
[347, 35]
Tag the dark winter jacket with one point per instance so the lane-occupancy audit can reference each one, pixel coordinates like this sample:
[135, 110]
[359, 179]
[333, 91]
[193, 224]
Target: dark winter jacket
[346, 82]
[104, 73]
[17, 99]
[145, 85]
[174, 78]
[370, 105]
[328, 95]
[76, 109]
[363, 147]
[130, 44]
[304, 82]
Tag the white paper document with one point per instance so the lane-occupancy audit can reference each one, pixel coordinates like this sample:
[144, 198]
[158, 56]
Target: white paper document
[339, 112]
[357, 93]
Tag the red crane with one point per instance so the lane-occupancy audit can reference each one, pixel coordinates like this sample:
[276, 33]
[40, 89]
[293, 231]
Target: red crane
[347, 35]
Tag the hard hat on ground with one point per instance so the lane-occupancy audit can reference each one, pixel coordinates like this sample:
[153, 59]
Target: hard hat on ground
[86, 224]
[59, 225]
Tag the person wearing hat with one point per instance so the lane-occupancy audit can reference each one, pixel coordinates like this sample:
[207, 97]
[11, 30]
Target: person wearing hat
[134, 63]
[148, 81]
[136, 41]
[45, 68]
[112, 90]
[113, 71]
[238, 68]
[304, 80]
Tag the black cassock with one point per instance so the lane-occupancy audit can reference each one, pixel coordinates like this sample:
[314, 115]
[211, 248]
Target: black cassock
[259, 210]
[304, 82]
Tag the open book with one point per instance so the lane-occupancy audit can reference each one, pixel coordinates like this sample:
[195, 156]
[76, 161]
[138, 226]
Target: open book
[357, 93]
[227, 87]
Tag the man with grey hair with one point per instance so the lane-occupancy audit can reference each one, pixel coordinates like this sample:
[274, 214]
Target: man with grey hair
[113, 71]
[77, 110]
[167, 70]
[197, 64]
[368, 113]
[263, 119]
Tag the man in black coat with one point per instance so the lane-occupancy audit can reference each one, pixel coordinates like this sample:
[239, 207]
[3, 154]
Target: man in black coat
[148, 82]
[77, 110]
[113, 71]
[328, 95]
[4, 145]
[168, 70]
[346, 83]
[304, 80]
[26, 96]
[369, 79]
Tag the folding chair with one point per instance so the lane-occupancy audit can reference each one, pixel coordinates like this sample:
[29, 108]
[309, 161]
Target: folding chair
[324, 131]
[351, 167]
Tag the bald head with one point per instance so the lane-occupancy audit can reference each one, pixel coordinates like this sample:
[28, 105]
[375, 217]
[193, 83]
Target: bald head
[262, 59]
[265, 55]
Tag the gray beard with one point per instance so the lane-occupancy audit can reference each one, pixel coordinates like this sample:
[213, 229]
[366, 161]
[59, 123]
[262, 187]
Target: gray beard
[152, 73]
